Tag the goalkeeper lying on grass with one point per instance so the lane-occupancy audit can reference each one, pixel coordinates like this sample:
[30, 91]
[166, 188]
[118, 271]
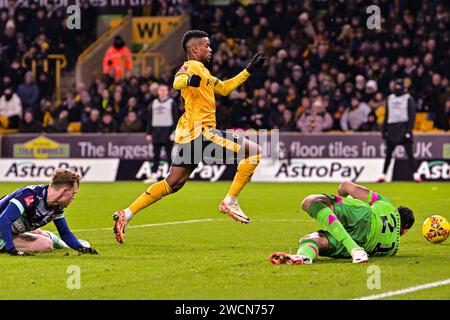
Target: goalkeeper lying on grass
[357, 223]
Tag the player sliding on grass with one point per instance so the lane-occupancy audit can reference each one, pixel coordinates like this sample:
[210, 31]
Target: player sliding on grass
[358, 226]
[25, 210]
[195, 133]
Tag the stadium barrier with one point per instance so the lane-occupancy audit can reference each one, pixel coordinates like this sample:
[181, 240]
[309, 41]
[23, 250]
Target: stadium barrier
[302, 158]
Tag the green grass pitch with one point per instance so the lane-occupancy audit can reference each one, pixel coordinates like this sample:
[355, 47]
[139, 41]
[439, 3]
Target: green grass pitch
[213, 257]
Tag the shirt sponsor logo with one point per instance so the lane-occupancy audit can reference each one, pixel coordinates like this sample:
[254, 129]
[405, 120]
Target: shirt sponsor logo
[29, 201]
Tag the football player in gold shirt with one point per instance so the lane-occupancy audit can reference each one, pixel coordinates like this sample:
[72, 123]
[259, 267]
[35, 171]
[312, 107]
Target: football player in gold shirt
[196, 133]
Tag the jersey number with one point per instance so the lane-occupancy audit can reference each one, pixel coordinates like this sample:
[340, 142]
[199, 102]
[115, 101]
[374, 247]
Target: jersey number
[386, 224]
[384, 219]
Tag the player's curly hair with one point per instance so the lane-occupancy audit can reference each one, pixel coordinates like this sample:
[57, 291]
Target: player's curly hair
[64, 178]
[190, 35]
[406, 217]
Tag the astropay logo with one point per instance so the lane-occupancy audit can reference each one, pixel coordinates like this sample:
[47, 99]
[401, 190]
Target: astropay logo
[320, 170]
[331, 169]
[38, 170]
[203, 171]
[434, 170]
[23, 169]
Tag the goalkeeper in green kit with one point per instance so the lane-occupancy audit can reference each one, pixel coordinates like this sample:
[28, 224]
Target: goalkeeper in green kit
[357, 222]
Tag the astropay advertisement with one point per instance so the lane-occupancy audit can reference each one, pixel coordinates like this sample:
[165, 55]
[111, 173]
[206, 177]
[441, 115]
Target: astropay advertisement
[321, 170]
[40, 170]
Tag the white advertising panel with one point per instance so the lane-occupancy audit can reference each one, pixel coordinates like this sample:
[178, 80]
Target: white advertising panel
[37, 170]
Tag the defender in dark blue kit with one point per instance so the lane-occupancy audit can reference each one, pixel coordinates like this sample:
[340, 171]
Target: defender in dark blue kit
[29, 208]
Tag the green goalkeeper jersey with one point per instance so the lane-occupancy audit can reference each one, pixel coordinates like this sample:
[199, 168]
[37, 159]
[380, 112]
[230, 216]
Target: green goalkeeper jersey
[374, 224]
[384, 236]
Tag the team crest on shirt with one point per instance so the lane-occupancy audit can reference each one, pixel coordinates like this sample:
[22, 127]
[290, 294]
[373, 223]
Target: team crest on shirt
[29, 201]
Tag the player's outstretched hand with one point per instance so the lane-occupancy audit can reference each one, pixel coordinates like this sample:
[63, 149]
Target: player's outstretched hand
[257, 61]
[87, 250]
[194, 81]
[15, 252]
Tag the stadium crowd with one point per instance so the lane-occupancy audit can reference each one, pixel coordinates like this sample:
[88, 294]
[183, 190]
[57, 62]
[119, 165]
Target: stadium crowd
[325, 69]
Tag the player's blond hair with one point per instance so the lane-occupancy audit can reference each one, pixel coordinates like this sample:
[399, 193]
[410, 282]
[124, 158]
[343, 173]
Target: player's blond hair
[64, 178]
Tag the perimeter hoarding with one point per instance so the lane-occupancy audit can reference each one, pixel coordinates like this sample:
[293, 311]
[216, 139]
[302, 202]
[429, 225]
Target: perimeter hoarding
[319, 157]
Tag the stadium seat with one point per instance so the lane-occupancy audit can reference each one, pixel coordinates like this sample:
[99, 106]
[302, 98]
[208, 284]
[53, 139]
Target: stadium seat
[74, 127]
[3, 131]
[426, 126]
[421, 117]
[3, 122]
[379, 112]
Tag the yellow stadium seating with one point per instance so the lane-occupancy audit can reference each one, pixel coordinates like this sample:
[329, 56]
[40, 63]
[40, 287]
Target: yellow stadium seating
[74, 127]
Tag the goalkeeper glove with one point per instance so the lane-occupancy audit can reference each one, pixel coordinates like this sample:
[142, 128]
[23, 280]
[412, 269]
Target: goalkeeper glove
[194, 81]
[87, 250]
[257, 61]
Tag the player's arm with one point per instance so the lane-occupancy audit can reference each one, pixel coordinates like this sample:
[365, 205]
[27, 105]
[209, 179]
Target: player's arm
[359, 192]
[225, 87]
[186, 77]
[68, 237]
[356, 191]
[411, 116]
[385, 122]
[12, 212]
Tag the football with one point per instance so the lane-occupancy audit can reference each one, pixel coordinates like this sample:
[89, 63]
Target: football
[436, 229]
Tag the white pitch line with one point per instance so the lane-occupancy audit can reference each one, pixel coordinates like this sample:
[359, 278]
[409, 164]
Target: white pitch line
[186, 222]
[153, 224]
[407, 290]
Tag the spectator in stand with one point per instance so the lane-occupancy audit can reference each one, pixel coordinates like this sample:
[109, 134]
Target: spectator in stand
[131, 105]
[10, 109]
[371, 91]
[355, 116]
[147, 75]
[258, 119]
[315, 119]
[60, 124]
[242, 109]
[131, 123]
[30, 124]
[371, 124]
[435, 100]
[73, 107]
[322, 50]
[275, 119]
[29, 92]
[118, 56]
[288, 123]
[108, 124]
[91, 124]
